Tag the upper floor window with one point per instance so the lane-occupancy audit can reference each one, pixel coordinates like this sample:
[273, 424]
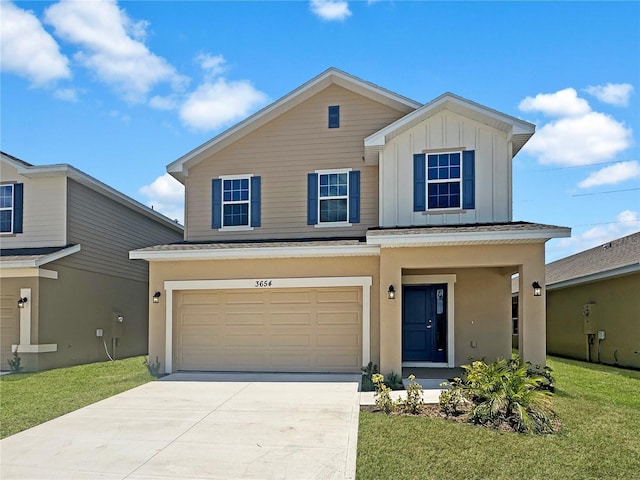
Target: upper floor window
[444, 181]
[235, 202]
[6, 208]
[334, 189]
[334, 116]
[333, 198]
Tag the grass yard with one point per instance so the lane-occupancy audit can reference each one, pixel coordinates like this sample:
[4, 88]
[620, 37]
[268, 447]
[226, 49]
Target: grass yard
[599, 407]
[29, 399]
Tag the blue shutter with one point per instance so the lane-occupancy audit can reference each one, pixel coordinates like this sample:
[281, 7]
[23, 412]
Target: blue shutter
[354, 196]
[18, 202]
[216, 203]
[334, 116]
[419, 182]
[468, 179]
[255, 201]
[312, 199]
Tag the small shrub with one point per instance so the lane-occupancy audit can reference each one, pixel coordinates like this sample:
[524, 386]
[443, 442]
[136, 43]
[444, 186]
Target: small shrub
[393, 381]
[366, 384]
[414, 401]
[14, 361]
[451, 399]
[382, 394]
[153, 367]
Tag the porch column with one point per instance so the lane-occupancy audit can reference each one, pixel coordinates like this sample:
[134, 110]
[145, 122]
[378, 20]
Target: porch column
[390, 314]
[532, 310]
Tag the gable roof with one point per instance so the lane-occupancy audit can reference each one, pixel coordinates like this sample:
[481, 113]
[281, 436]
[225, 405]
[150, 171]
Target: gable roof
[62, 169]
[331, 76]
[518, 131]
[34, 257]
[614, 258]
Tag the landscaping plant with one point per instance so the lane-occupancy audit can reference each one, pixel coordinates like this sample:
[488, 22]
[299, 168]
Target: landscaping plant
[366, 384]
[413, 403]
[382, 394]
[14, 361]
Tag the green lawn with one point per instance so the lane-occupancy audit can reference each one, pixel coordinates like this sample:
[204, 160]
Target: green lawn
[600, 439]
[28, 399]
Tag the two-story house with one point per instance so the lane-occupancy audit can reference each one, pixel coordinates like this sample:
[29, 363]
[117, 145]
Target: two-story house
[343, 224]
[68, 292]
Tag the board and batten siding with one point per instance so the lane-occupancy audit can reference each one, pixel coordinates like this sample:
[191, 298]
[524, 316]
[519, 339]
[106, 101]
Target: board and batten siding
[43, 214]
[493, 195]
[282, 153]
[107, 231]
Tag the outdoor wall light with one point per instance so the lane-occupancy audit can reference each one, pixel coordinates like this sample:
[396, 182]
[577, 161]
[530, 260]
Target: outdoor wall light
[537, 289]
[391, 293]
[21, 302]
[156, 297]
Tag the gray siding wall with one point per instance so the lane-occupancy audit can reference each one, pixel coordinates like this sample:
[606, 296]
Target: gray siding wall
[107, 231]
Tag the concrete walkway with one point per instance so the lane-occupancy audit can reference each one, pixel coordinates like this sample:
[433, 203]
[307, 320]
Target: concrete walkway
[200, 426]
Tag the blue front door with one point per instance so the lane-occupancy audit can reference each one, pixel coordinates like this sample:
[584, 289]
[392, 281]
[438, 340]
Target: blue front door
[424, 323]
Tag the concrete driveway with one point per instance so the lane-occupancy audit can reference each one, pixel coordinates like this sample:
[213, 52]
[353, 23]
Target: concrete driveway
[200, 426]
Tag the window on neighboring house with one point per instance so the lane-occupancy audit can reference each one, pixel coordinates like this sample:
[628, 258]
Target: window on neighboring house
[236, 202]
[444, 181]
[514, 315]
[334, 116]
[11, 208]
[333, 198]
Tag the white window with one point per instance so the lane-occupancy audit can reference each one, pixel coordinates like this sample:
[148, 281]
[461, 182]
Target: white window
[333, 198]
[444, 180]
[236, 202]
[6, 208]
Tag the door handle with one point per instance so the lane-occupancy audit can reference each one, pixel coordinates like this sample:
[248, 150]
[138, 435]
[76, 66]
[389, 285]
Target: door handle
[429, 323]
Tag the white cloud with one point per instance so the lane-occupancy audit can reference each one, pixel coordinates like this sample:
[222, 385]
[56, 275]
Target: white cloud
[111, 46]
[626, 223]
[26, 49]
[563, 103]
[582, 140]
[612, 93]
[330, 9]
[612, 174]
[213, 65]
[166, 195]
[163, 103]
[67, 94]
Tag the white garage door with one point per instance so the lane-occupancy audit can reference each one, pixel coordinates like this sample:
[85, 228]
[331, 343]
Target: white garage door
[286, 330]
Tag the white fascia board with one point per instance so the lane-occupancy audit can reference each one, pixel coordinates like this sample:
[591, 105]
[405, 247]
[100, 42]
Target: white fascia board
[37, 262]
[616, 272]
[27, 272]
[177, 167]
[265, 252]
[479, 237]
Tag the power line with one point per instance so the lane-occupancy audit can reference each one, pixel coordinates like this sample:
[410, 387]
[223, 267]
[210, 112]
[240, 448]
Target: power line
[577, 166]
[602, 193]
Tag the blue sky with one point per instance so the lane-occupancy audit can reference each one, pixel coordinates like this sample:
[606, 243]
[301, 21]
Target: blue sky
[121, 89]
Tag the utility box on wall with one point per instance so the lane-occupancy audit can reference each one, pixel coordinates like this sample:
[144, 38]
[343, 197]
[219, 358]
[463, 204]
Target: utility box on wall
[589, 319]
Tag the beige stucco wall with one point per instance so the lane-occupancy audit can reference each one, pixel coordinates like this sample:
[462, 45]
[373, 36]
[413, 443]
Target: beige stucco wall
[616, 311]
[482, 298]
[282, 153]
[255, 269]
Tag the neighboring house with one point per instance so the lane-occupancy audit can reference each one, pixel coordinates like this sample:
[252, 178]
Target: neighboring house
[343, 224]
[593, 304]
[65, 275]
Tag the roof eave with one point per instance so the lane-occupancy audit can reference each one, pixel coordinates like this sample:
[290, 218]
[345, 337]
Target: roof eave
[594, 277]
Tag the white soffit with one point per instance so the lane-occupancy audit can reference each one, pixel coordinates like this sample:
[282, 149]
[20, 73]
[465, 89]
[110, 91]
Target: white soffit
[41, 259]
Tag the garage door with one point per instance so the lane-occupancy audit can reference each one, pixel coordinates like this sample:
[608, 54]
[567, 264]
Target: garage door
[9, 328]
[286, 330]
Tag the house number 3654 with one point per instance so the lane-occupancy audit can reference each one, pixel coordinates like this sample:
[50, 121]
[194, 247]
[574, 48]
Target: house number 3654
[263, 283]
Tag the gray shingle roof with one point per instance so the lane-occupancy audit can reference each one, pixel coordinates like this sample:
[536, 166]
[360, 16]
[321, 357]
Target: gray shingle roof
[623, 252]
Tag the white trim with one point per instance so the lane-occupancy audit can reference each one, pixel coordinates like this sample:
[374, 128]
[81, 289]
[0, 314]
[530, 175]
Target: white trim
[25, 317]
[257, 252]
[250, 284]
[333, 170]
[334, 224]
[223, 202]
[594, 277]
[11, 208]
[236, 228]
[41, 260]
[450, 280]
[41, 348]
[236, 177]
[465, 237]
[426, 364]
[27, 273]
